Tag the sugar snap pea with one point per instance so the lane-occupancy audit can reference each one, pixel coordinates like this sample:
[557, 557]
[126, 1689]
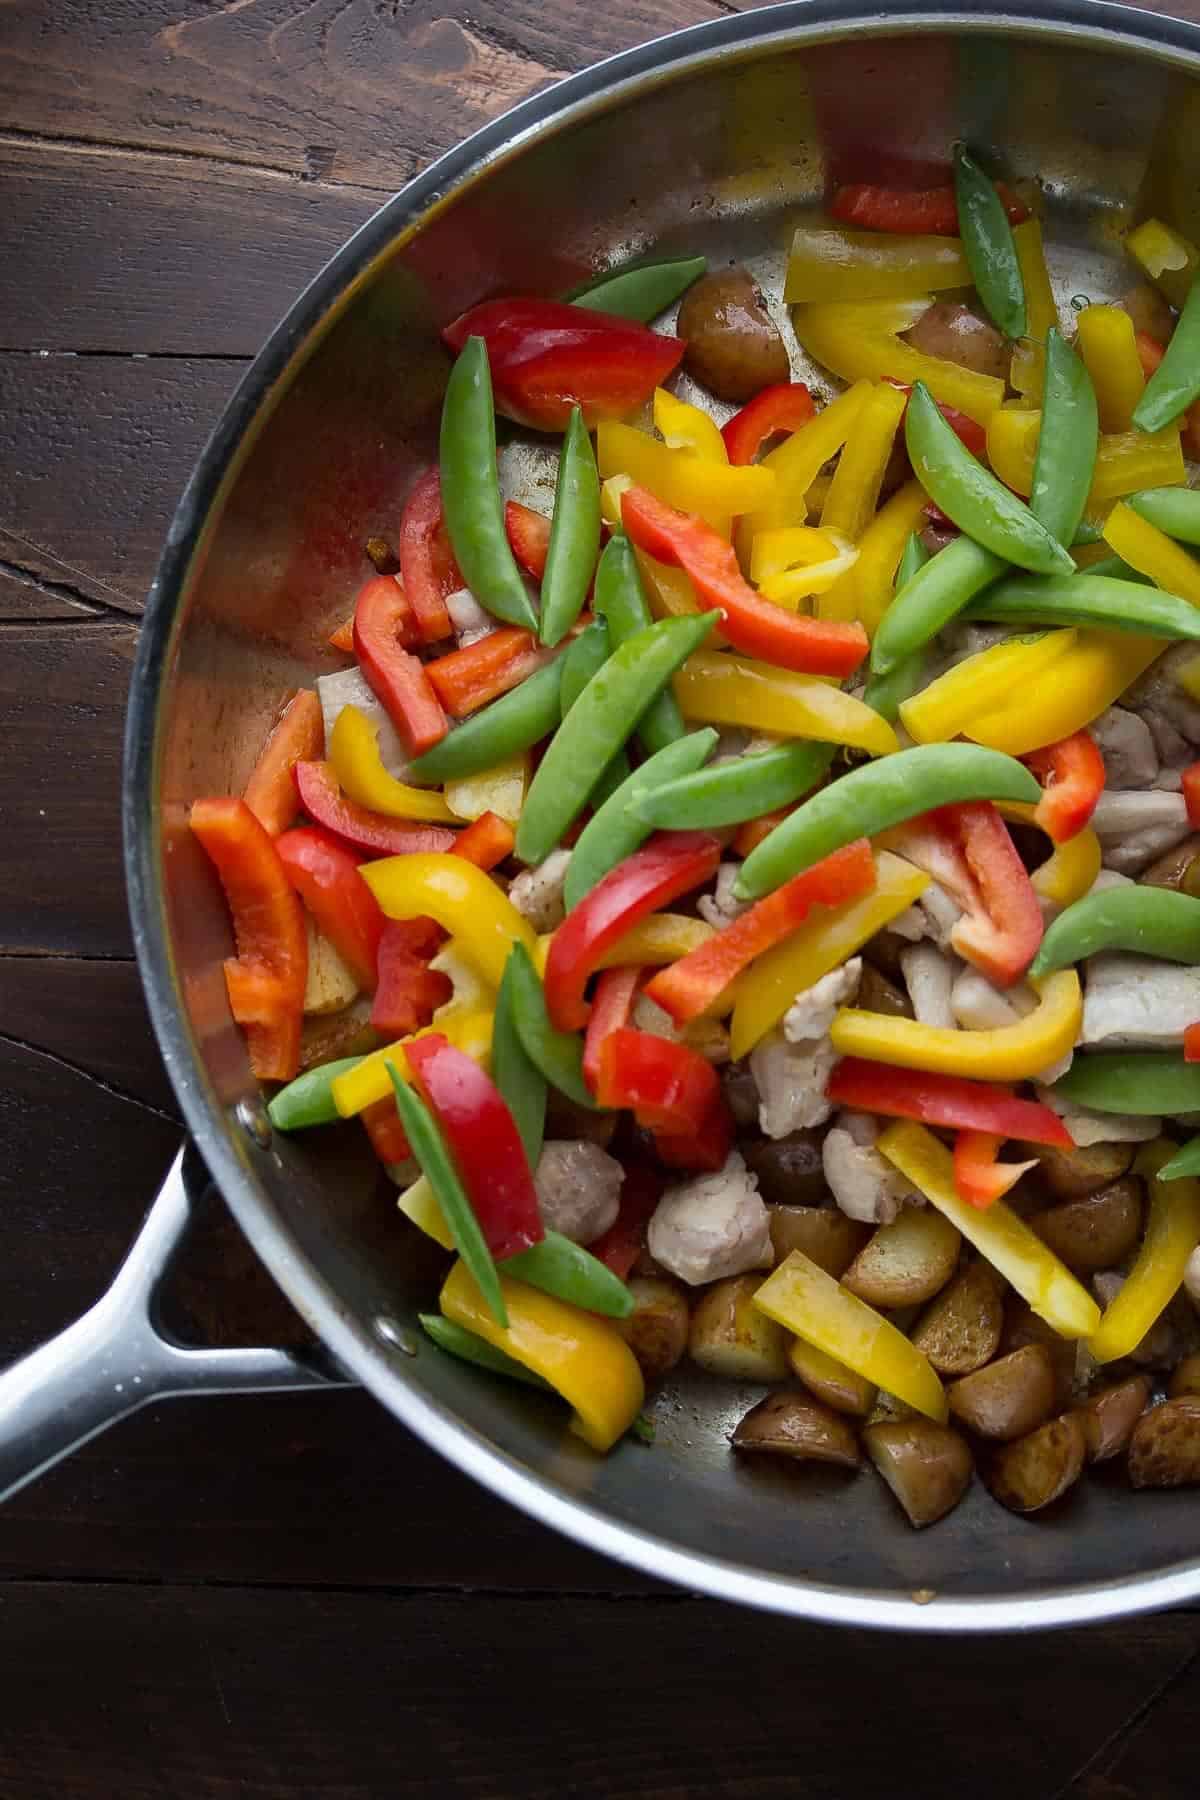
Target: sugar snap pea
[574, 533]
[1174, 510]
[471, 500]
[621, 599]
[1149, 921]
[931, 597]
[521, 1083]
[641, 293]
[558, 1054]
[988, 246]
[456, 1340]
[514, 722]
[1176, 381]
[559, 1266]
[309, 1099]
[885, 692]
[1067, 441]
[1087, 599]
[734, 791]
[615, 831]
[1140, 1082]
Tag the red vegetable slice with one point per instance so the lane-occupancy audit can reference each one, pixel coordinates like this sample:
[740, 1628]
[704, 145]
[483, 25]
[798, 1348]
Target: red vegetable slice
[612, 1003]
[528, 537]
[621, 1245]
[467, 679]
[910, 212]
[784, 407]
[408, 992]
[420, 526]
[666, 1086]
[325, 875]
[949, 1101]
[383, 624]
[968, 850]
[1072, 774]
[979, 1178]
[298, 737]
[323, 800]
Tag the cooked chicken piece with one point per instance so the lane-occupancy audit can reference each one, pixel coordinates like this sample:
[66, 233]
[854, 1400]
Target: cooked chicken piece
[954, 332]
[1170, 712]
[791, 1082]
[537, 893]
[1087, 1127]
[708, 1037]
[929, 977]
[578, 1188]
[977, 1005]
[933, 916]
[1135, 827]
[865, 1185]
[813, 1010]
[1135, 1002]
[349, 688]
[712, 1227]
[1124, 741]
[720, 908]
[468, 618]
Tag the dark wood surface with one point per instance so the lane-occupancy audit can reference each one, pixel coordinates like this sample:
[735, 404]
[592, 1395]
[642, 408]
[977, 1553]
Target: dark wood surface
[268, 1598]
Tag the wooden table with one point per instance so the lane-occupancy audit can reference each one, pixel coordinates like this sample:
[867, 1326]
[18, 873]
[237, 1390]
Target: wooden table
[280, 1597]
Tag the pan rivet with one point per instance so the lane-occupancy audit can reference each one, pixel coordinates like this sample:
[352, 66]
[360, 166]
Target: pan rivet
[251, 1115]
[395, 1335]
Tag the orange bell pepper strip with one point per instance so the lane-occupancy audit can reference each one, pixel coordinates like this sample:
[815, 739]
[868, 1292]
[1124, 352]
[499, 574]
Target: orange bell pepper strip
[421, 524]
[343, 638]
[299, 736]
[467, 679]
[486, 841]
[979, 1177]
[612, 1003]
[267, 977]
[909, 212]
[528, 534]
[1072, 774]
[383, 628]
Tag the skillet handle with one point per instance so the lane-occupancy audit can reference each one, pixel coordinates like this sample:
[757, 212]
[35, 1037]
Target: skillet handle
[116, 1359]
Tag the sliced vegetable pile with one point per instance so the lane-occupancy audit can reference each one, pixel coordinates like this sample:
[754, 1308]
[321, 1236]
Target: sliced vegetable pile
[754, 909]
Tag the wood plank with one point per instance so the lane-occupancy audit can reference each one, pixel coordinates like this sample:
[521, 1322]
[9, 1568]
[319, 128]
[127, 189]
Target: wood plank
[22, 597]
[268, 1695]
[90, 1014]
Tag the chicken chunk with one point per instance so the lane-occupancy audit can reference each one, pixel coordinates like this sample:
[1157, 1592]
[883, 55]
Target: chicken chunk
[814, 1009]
[537, 893]
[1136, 1002]
[468, 618]
[978, 1005]
[1125, 742]
[720, 908]
[1135, 827]
[712, 1227]
[791, 1082]
[929, 977]
[349, 688]
[1087, 1127]
[578, 1188]
[932, 917]
[865, 1185]
[1168, 709]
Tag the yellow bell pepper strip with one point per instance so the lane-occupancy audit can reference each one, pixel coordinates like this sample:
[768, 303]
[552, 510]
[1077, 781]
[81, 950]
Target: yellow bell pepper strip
[865, 591]
[979, 683]
[470, 993]
[354, 753]
[1169, 259]
[360, 1087]
[1005, 1053]
[685, 427]
[719, 689]
[1029, 355]
[1069, 873]
[854, 491]
[654, 941]
[1172, 1233]
[1125, 460]
[802, 1297]
[789, 547]
[1145, 548]
[581, 1356]
[796, 463]
[679, 478]
[763, 994]
[1108, 347]
[795, 585]
[463, 900]
[861, 339]
[1000, 1236]
[500, 790]
[1087, 680]
[420, 1204]
[830, 263]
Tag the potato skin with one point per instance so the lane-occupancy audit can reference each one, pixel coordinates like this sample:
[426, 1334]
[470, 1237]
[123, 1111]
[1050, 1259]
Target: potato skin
[1096, 1231]
[830, 1381]
[927, 1466]
[729, 1337]
[1006, 1399]
[906, 1262]
[958, 334]
[788, 1169]
[1036, 1470]
[733, 344]
[1186, 1379]
[1070, 1174]
[794, 1425]
[877, 993]
[1023, 1326]
[1165, 1448]
[960, 1331]
[824, 1233]
[657, 1329]
[1169, 869]
[1110, 1415]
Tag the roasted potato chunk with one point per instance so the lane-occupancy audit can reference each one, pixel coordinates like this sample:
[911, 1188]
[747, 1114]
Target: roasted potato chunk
[1186, 1378]
[960, 1331]
[1109, 1416]
[1035, 1471]
[729, 1337]
[657, 1328]
[1096, 1231]
[1022, 1326]
[906, 1262]
[831, 1381]
[788, 1169]
[876, 993]
[927, 1466]
[1008, 1398]
[1072, 1173]
[1169, 869]
[733, 344]
[1165, 1448]
[824, 1233]
[793, 1425]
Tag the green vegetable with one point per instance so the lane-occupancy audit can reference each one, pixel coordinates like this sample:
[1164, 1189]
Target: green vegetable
[597, 726]
[458, 1341]
[309, 1099]
[885, 692]
[471, 502]
[429, 1148]
[988, 246]
[1115, 568]
[521, 1083]
[558, 1054]
[1174, 510]
[1088, 531]
[1176, 381]
[641, 293]
[1150, 921]
[930, 599]
[733, 791]
[1140, 1082]
[1184, 1162]
[1067, 442]
[615, 831]
[585, 658]
[621, 599]
[1087, 599]
[574, 533]
[560, 1267]
[514, 722]
[876, 796]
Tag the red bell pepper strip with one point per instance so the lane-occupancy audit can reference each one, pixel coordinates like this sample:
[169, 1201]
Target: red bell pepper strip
[323, 800]
[670, 864]
[1191, 794]
[1191, 1044]
[325, 875]
[420, 524]
[483, 1140]
[910, 212]
[612, 1004]
[621, 1245]
[1072, 774]
[704, 1149]
[547, 356]
[968, 850]
[950, 1101]
[756, 626]
[979, 1178]
[687, 988]
[486, 841]
[528, 535]
[666, 1086]
[467, 679]
[299, 736]
[268, 924]
[784, 407]
[409, 992]
[343, 638]
[388, 1138]
[382, 626]
[969, 432]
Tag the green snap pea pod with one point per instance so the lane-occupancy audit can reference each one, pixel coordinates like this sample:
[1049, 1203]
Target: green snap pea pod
[567, 1270]
[309, 1099]
[1088, 531]
[574, 533]
[471, 501]
[456, 1340]
[1174, 510]
[521, 1083]
[988, 246]
[885, 692]
[733, 791]
[641, 293]
[976, 500]
[621, 599]
[876, 796]
[586, 656]
[558, 1054]
[1067, 442]
[1147, 920]
[615, 831]
[1087, 599]
[1176, 381]
[1185, 1162]
[1140, 1082]
[429, 1148]
[514, 722]
[597, 726]
[1115, 568]
[930, 599]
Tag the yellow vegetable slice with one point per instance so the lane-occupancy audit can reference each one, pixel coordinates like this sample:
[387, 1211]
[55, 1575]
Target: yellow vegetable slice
[1072, 867]
[462, 898]
[733, 690]
[500, 789]
[354, 753]
[1086, 681]
[369, 1080]
[1172, 1233]
[1006, 1053]
[987, 679]
[420, 1204]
